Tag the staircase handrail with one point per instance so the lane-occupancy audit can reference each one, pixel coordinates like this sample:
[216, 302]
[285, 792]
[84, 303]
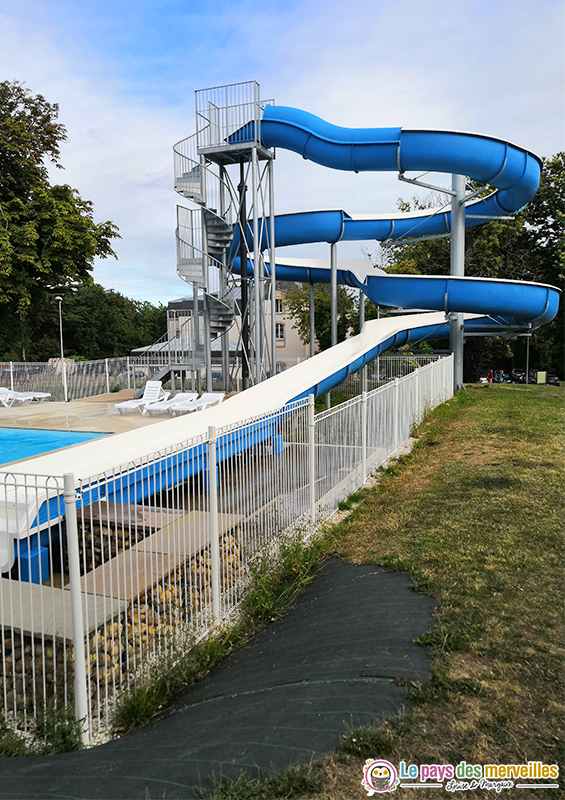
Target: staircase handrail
[187, 160]
[197, 253]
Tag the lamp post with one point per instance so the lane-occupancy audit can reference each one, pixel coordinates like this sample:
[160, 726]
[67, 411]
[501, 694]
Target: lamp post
[63, 365]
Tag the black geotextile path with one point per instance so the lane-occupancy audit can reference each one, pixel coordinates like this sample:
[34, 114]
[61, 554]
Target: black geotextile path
[337, 659]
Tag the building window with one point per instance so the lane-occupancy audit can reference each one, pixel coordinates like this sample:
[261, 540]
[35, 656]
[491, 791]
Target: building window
[279, 330]
[278, 305]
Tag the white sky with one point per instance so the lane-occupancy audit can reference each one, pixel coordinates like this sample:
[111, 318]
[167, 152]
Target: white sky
[124, 75]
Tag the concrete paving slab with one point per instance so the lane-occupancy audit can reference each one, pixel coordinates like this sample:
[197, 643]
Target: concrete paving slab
[47, 611]
[96, 415]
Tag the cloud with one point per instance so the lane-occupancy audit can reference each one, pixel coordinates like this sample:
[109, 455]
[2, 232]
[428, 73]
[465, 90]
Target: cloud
[124, 76]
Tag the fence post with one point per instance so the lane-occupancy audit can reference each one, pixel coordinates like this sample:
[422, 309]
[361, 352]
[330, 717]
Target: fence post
[128, 372]
[418, 403]
[81, 695]
[443, 392]
[312, 457]
[395, 414]
[11, 376]
[364, 437]
[107, 377]
[214, 526]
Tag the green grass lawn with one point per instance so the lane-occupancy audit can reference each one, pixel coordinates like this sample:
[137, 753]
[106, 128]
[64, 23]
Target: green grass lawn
[476, 514]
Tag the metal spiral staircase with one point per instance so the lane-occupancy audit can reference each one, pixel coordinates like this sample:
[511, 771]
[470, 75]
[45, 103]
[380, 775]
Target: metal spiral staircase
[203, 236]
[227, 134]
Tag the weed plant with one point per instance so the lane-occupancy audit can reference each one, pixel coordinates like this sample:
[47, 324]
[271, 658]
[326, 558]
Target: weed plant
[275, 580]
[56, 731]
[296, 781]
[175, 670]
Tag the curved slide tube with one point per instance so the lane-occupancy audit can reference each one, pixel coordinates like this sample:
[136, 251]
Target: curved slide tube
[512, 170]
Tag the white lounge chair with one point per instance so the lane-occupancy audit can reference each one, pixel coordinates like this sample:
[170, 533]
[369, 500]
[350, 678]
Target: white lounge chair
[207, 400]
[153, 393]
[164, 405]
[9, 397]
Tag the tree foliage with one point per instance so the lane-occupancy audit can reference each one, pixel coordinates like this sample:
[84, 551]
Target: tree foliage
[97, 323]
[29, 135]
[298, 306]
[48, 237]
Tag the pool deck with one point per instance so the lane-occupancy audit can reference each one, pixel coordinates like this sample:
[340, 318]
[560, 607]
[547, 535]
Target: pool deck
[94, 414]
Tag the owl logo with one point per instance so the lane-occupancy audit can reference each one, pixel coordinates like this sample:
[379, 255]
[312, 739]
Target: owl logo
[379, 776]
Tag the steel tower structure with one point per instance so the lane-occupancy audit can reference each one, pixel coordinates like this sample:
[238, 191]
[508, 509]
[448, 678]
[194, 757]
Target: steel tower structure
[228, 174]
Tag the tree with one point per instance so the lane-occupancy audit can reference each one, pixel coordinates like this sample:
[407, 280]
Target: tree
[29, 134]
[48, 237]
[298, 305]
[97, 323]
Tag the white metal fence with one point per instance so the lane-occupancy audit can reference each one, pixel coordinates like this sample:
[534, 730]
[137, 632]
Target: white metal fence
[91, 378]
[383, 370]
[110, 572]
[84, 378]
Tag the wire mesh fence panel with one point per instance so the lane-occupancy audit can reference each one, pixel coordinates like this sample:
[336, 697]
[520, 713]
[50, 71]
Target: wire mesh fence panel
[262, 480]
[35, 607]
[27, 376]
[144, 543]
[407, 411]
[84, 378]
[380, 426]
[338, 455]
[383, 369]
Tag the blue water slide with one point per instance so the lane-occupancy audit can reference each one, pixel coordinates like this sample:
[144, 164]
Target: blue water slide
[513, 171]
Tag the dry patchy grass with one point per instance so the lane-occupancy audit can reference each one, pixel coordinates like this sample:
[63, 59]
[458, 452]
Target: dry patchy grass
[475, 514]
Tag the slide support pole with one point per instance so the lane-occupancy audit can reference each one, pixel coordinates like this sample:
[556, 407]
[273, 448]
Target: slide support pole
[271, 175]
[333, 291]
[257, 267]
[225, 342]
[363, 386]
[312, 321]
[457, 264]
[333, 301]
[242, 188]
[207, 342]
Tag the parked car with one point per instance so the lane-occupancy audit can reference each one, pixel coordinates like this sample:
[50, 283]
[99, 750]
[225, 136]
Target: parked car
[553, 380]
[517, 376]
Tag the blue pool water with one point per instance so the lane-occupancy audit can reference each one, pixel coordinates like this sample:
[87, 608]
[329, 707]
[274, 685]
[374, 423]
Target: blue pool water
[16, 443]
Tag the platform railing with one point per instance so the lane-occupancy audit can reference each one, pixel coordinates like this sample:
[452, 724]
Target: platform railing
[116, 571]
[226, 111]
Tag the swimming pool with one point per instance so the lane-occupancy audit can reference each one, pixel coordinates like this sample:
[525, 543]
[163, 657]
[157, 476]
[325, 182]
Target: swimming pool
[16, 443]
